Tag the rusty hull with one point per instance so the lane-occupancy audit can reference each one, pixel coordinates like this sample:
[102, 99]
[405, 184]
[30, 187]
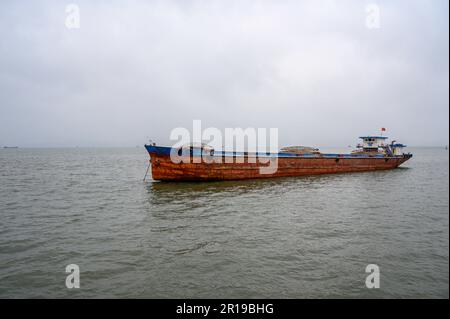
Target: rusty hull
[165, 170]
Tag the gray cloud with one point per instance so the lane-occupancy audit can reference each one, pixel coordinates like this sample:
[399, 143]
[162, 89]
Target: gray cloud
[137, 70]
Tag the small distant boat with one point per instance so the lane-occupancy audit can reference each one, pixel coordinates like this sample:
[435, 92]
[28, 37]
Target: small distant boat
[6, 147]
[206, 164]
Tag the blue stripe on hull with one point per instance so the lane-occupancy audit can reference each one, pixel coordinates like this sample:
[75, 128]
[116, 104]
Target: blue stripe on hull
[163, 150]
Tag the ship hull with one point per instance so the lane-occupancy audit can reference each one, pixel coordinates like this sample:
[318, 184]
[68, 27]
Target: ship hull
[246, 167]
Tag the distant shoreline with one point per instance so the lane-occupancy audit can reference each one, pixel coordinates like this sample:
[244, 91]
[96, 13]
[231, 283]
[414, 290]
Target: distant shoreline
[137, 146]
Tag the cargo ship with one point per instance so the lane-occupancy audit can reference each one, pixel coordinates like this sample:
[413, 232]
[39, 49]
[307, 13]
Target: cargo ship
[200, 162]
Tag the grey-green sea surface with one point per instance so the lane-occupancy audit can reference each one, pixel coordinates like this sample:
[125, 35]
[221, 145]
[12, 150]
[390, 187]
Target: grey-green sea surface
[300, 237]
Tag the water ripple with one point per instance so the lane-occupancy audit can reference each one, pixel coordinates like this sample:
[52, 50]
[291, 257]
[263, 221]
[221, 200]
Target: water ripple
[306, 237]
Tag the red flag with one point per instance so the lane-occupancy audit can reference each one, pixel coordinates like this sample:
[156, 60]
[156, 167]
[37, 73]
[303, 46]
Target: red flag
[383, 129]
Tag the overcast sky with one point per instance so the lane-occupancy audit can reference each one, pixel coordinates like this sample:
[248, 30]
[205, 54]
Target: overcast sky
[137, 69]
